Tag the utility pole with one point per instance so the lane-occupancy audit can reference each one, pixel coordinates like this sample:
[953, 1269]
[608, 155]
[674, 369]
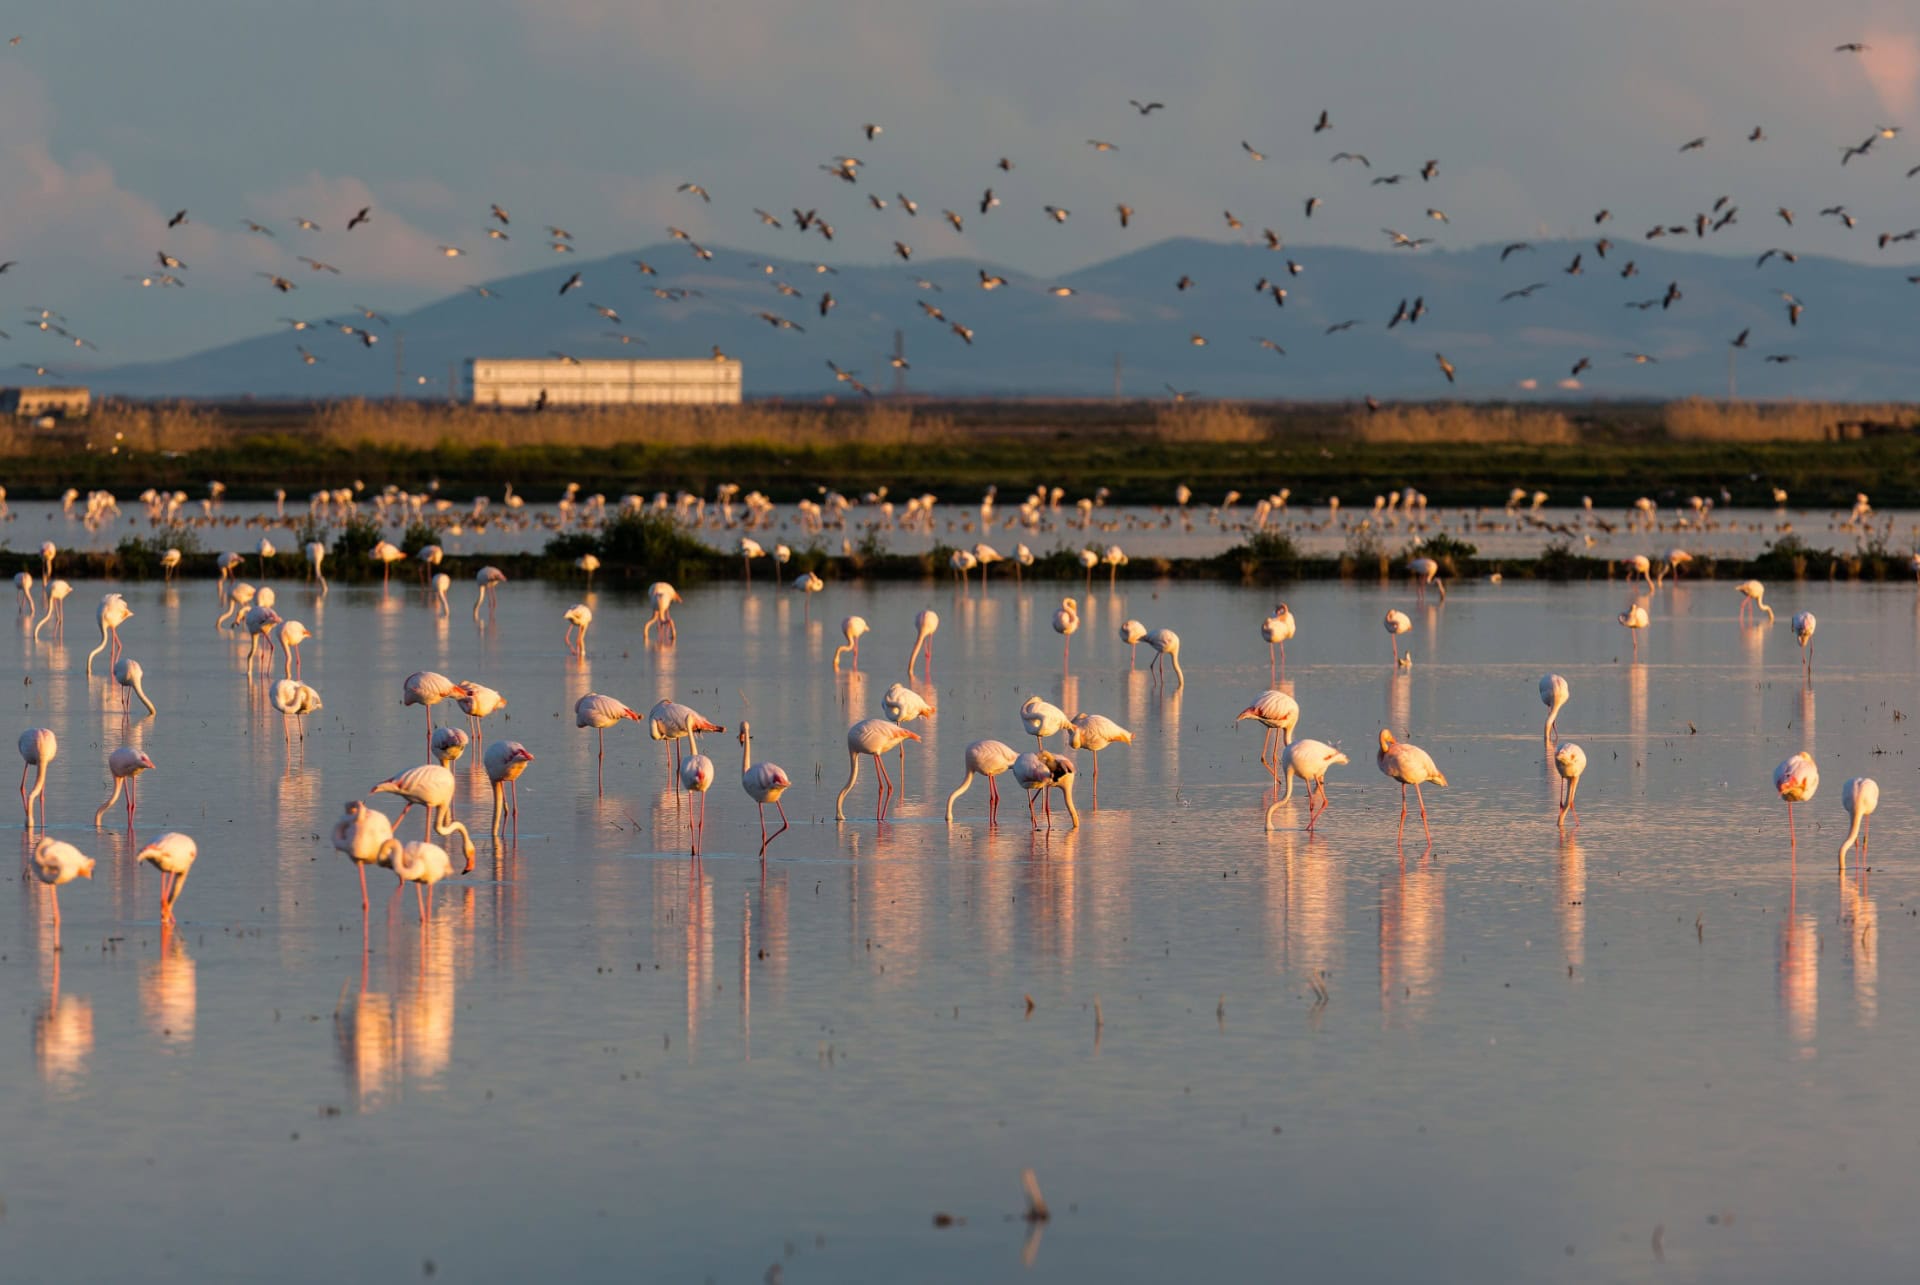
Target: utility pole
[899, 363]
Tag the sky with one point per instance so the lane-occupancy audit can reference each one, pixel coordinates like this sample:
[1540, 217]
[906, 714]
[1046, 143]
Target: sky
[588, 114]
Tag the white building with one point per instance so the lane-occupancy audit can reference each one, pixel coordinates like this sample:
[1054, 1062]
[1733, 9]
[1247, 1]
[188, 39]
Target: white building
[532, 382]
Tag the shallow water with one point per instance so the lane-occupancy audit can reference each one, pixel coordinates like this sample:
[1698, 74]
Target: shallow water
[1197, 531]
[1658, 1038]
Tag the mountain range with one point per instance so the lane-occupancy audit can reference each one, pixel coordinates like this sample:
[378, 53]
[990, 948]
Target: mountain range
[1857, 335]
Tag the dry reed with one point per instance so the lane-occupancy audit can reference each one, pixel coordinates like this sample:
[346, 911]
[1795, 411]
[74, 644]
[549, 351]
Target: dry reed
[422, 426]
[1697, 420]
[1460, 423]
[1208, 422]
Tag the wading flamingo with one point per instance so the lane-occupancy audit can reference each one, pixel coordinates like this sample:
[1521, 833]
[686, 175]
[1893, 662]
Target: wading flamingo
[56, 862]
[1554, 694]
[1310, 760]
[1279, 713]
[1397, 623]
[1276, 629]
[39, 748]
[292, 634]
[56, 609]
[442, 583]
[1635, 618]
[990, 759]
[1804, 624]
[600, 712]
[431, 786]
[505, 761]
[852, 628]
[1796, 781]
[1131, 632]
[360, 833]
[1166, 645]
[1093, 733]
[588, 563]
[1860, 796]
[696, 777]
[124, 764]
[673, 722]
[1409, 765]
[1425, 571]
[662, 595]
[111, 614]
[488, 580]
[924, 625]
[1042, 719]
[426, 688]
[764, 784]
[1753, 599]
[1066, 622]
[1570, 761]
[420, 864]
[129, 675]
[1042, 773]
[298, 700]
[578, 616]
[173, 855]
[449, 743]
[875, 736]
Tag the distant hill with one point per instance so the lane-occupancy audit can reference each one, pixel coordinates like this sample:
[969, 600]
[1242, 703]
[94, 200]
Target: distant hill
[1858, 338]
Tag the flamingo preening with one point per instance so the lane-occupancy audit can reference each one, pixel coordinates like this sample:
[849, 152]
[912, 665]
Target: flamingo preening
[505, 761]
[1041, 773]
[1796, 780]
[1275, 630]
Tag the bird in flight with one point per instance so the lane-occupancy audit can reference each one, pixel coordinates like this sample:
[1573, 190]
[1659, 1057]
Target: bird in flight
[280, 283]
[1446, 367]
[1851, 47]
[364, 215]
[697, 190]
[1352, 156]
[1325, 122]
[1525, 292]
[1693, 144]
[1146, 109]
[572, 283]
[1057, 214]
[1313, 203]
[500, 214]
[871, 131]
[1269, 344]
[1126, 214]
[1248, 148]
[1514, 248]
[1100, 146]
[318, 266]
[1740, 340]
[177, 219]
[1779, 358]
[1585, 363]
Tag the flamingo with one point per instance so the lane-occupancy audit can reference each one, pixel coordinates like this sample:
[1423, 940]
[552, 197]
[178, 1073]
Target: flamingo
[360, 833]
[299, 700]
[1275, 630]
[925, 623]
[57, 594]
[985, 555]
[1167, 644]
[429, 556]
[39, 748]
[764, 784]
[875, 736]
[807, 584]
[671, 721]
[230, 565]
[1753, 598]
[1066, 622]
[696, 776]
[1310, 760]
[1088, 561]
[852, 628]
[426, 688]
[266, 550]
[1860, 796]
[1115, 557]
[489, 580]
[173, 855]
[600, 712]
[1409, 765]
[1643, 568]
[420, 864]
[316, 555]
[1279, 713]
[239, 598]
[505, 761]
[748, 551]
[292, 634]
[988, 758]
[129, 675]
[1041, 773]
[1635, 619]
[111, 614]
[449, 743]
[1022, 558]
[47, 554]
[588, 563]
[578, 616]
[662, 595]
[260, 621]
[1131, 632]
[1569, 761]
[1796, 781]
[1675, 560]
[479, 702]
[1425, 571]
[1397, 623]
[1804, 624]
[903, 705]
[23, 583]
[1093, 733]
[1554, 694]
[169, 563]
[961, 562]
[1042, 719]
[124, 764]
[431, 786]
[386, 553]
[442, 583]
[56, 862]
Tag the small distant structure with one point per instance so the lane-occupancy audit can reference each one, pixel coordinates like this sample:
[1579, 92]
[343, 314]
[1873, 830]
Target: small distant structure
[46, 402]
[538, 383]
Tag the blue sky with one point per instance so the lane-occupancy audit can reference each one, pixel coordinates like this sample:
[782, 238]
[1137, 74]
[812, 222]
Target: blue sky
[588, 114]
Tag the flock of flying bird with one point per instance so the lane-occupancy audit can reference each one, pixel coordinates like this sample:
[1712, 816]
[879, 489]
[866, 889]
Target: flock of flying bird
[368, 836]
[811, 216]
